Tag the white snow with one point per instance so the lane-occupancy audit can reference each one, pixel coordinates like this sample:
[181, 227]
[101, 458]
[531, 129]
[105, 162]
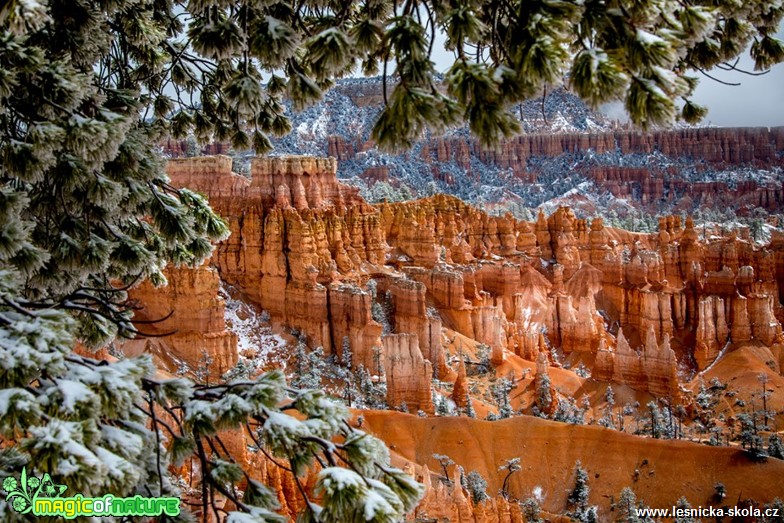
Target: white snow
[375, 504]
[339, 478]
[538, 494]
[647, 38]
[253, 330]
[66, 437]
[280, 423]
[117, 438]
[274, 25]
[116, 467]
[720, 356]
[23, 400]
[73, 393]
[315, 130]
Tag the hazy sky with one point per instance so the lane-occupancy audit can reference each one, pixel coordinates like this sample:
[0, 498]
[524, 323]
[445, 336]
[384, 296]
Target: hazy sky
[758, 101]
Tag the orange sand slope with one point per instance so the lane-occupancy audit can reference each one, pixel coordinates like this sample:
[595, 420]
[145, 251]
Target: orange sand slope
[659, 471]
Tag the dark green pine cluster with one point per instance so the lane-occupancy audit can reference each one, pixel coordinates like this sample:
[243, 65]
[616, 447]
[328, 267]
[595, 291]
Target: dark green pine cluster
[86, 207]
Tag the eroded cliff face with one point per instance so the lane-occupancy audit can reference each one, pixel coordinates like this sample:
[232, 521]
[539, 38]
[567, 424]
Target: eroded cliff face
[187, 321]
[653, 185]
[636, 308]
[399, 283]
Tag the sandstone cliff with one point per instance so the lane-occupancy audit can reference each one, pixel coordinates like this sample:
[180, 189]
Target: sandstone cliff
[188, 316]
[304, 246]
[644, 312]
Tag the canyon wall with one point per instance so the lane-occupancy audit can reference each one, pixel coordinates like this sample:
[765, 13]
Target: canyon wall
[755, 145]
[672, 168]
[652, 183]
[400, 282]
[186, 322]
[635, 308]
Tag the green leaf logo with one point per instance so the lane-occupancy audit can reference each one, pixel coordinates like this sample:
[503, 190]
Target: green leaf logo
[21, 493]
[10, 484]
[18, 496]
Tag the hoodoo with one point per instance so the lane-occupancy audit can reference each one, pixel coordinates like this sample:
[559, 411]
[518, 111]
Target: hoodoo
[429, 294]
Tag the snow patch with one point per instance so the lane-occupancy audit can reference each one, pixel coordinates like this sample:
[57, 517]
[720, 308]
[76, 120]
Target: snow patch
[538, 493]
[255, 339]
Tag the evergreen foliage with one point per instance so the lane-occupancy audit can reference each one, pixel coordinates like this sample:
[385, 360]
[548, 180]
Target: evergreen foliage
[684, 504]
[483, 355]
[444, 406]
[469, 408]
[509, 467]
[476, 485]
[578, 498]
[312, 369]
[607, 419]
[500, 391]
[706, 400]
[568, 412]
[653, 422]
[582, 371]
[544, 396]
[776, 507]
[719, 491]
[775, 447]
[309, 366]
[627, 508]
[381, 309]
[371, 395]
[444, 462]
[750, 437]
[531, 510]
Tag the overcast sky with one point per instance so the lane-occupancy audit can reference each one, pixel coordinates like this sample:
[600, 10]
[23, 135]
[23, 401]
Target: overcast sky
[758, 101]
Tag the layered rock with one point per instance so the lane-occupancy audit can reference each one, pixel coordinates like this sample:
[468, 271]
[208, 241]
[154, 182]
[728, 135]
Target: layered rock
[351, 322]
[189, 317]
[460, 393]
[412, 316]
[667, 181]
[712, 330]
[408, 373]
[654, 369]
[714, 145]
[303, 247]
[292, 237]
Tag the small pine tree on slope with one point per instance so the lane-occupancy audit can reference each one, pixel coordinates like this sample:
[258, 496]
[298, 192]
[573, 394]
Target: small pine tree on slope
[629, 510]
[627, 507]
[578, 498]
[476, 485]
[683, 504]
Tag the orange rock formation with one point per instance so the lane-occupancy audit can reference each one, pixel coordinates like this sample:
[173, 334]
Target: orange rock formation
[189, 316]
[303, 247]
[642, 310]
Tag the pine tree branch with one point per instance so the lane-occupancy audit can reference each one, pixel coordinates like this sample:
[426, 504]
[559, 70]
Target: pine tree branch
[260, 446]
[725, 66]
[732, 84]
[157, 441]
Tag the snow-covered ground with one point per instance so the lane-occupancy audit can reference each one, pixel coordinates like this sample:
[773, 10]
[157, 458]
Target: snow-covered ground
[258, 346]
